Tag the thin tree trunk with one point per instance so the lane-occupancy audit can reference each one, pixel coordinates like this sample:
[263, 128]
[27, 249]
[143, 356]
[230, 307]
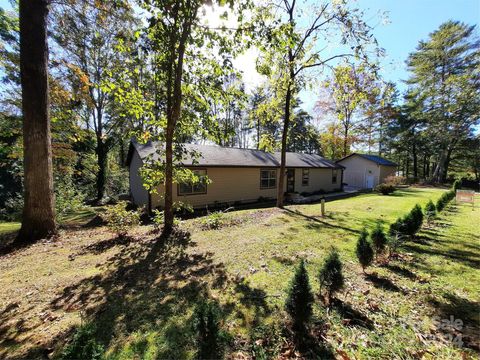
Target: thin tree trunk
[38, 219]
[172, 118]
[345, 142]
[283, 157]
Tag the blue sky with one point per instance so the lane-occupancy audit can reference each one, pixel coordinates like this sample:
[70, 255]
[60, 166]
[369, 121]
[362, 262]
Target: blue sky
[409, 21]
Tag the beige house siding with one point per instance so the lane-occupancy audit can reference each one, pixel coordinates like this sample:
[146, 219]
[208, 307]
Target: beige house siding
[386, 171]
[319, 179]
[242, 184]
[357, 169]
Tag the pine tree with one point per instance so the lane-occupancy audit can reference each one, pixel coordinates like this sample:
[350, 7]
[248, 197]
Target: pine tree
[300, 298]
[364, 250]
[430, 211]
[330, 275]
[379, 239]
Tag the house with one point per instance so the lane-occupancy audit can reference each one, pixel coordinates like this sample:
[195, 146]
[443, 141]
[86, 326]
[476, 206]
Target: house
[236, 175]
[366, 171]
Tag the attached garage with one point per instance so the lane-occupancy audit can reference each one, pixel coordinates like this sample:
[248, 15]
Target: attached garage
[365, 171]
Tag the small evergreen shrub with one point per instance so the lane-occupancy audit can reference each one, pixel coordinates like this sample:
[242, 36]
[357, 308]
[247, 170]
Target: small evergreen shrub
[417, 219]
[379, 239]
[385, 189]
[300, 298]
[83, 345]
[207, 326]
[443, 201]
[430, 211]
[331, 275]
[364, 250]
[119, 220]
[408, 225]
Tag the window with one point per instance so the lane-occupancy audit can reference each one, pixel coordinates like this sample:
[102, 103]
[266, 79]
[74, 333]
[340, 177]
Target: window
[305, 177]
[199, 187]
[334, 176]
[268, 179]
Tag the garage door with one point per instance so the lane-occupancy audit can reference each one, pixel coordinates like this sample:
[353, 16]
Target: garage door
[354, 178]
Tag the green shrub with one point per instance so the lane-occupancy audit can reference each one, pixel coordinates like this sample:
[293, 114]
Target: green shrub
[158, 219]
[379, 239]
[331, 275]
[430, 211]
[409, 225]
[456, 185]
[364, 250]
[207, 326]
[417, 218]
[214, 220]
[445, 199]
[119, 220]
[83, 345]
[300, 298]
[385, 189]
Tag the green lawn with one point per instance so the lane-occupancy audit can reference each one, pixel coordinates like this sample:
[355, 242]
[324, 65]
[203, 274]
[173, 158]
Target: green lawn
[9, 227]
[140, 294]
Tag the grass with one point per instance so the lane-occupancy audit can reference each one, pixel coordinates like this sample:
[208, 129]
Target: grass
[9, 227]
[140, 293]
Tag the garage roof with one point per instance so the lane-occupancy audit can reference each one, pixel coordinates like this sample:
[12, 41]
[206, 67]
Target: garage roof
[375, 158]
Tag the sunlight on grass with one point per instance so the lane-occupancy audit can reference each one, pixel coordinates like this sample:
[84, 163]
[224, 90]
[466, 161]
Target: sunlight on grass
[9, 227]
[140, 295]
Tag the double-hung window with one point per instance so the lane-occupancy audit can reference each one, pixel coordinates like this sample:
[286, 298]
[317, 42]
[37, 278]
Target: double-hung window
[199, 187]
[268, 178]
[305, 177]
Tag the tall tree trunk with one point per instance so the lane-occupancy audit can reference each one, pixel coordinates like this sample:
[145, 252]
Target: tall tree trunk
[102, 163]
[38, 219]
[438, 173]
[173, 116]
[415, 162]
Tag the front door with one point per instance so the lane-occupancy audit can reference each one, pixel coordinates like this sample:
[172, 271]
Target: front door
[290, 180]
[370, 181]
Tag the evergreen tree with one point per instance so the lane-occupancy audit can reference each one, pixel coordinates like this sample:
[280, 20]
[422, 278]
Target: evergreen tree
[430, 211]
[300, 298]
[364, 250]
[379, 239]
[330, 275]
[417, 219]
[445, 91]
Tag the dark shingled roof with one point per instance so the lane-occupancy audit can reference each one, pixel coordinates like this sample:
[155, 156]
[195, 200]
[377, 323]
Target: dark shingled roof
[375, 158]
[213, 155]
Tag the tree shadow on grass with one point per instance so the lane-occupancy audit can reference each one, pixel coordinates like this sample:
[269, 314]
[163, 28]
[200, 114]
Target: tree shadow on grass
[145, 294]
[466, 257]
[383, 283]
[149, 286]
[402, 271]
[315, 222]
[352, 316]
[104, 245]
[451, 305]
